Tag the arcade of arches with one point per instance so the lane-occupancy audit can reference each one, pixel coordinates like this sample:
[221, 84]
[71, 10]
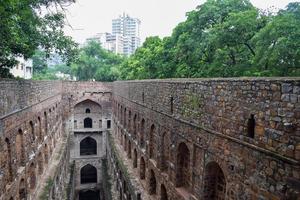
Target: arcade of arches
[223, 139]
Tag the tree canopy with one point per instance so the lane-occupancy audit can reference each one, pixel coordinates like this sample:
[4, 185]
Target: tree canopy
[96, 63]
[29, 25]
[223, 38]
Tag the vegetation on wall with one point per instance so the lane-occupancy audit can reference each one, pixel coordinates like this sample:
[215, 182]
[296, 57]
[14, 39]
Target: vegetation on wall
[106, 180]
[47, 190]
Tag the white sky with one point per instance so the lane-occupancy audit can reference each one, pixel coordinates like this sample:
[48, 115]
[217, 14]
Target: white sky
[158, 17]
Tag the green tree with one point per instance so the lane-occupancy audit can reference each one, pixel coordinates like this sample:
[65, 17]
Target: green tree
[94, 62]
[27, 25]
[39, 62]
[222, 38]
[278, 44]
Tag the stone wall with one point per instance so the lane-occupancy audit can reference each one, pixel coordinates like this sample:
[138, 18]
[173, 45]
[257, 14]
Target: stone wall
[32, 114]
[31, 121]
[244, 133]
[16, 95]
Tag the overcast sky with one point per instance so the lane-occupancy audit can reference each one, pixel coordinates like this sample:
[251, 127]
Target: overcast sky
[158, 17]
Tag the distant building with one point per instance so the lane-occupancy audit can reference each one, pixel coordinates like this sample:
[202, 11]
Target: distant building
[129, 28]
[125, 36]
[23, 69]
[110, 42]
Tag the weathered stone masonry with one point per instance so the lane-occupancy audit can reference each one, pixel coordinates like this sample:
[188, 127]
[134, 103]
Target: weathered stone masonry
[34, 135]
[210, 138]
[170, 139]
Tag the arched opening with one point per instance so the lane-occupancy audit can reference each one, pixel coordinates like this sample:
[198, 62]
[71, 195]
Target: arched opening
[151, 141]
[32, 130]
[152, 183]
[88, 174]
[142, 168]
[129, 120]
[40, 163]
[32, 177]
[20, 148]
[125, 119]
[46, 123]
[142, 133]
[251, 126]
[129, 149]
[75, 124]
[183, 161]
[121, 115]
[88, 123]
[87, 110]
[134, 124]
[89, 195]
[22, 190]
[9, 160]
[134, 158]
[125, 143]
[164, 152]
[40, 129]
[163, 193]
[46, 155]
[88, 146]
[214, 182]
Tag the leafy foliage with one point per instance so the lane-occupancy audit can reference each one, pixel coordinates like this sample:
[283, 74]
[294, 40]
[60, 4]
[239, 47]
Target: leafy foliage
[96, 63]
[27, 25]
[223, 38]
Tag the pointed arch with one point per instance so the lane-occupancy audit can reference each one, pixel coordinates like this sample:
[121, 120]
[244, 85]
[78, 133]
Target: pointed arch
[40, 129]
[88, 146]
[20, 148]
[46, 154]
[134, 124]
[40, 163]
[152, 183]
[214, 182]
[32, 130]
[9, 159]
[142, 133]
[142, 168]
[88, 174]
[163, 192]
[88, 123]
[22, 190]
[134, 158]
[164, 152]
[183, 162]
[129, 149]
[46, 122]
[32, 176]
[152, 141]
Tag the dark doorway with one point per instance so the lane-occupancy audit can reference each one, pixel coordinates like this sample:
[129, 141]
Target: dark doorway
[89, 195]
[88, 146]
[88, 174]
[88, 123]
[214, 182]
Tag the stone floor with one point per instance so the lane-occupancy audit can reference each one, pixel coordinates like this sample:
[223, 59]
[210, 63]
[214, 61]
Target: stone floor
[52, 166]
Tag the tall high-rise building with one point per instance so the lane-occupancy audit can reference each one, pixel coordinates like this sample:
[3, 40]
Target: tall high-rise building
[129, 28]
[125, 36]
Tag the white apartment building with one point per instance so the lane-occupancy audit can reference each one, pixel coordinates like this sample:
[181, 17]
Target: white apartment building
[23, 69]
[110, 42]
[125, 36]
[129, 28]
